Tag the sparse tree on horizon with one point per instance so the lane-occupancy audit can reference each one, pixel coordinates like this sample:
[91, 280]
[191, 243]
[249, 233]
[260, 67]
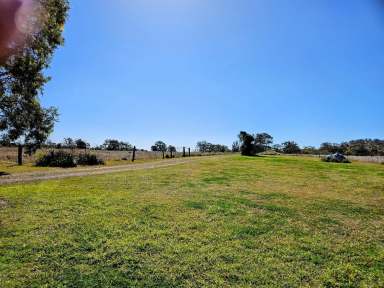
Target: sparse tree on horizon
[291, 147]
[236, 146]
[263, 140]
[81, 144]
[159, 146]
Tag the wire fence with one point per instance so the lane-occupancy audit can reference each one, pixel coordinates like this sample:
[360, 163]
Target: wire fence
[9, 154]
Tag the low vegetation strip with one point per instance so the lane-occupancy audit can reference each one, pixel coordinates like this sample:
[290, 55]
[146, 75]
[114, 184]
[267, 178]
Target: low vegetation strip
[215, 222]
[59, 174]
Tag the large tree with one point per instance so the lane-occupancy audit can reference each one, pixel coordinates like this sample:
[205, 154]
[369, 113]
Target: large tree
[159, 146]
[247, 147]
[116, 145]
[252, 145]
[264, 140]
[291, 147]
[23, 120]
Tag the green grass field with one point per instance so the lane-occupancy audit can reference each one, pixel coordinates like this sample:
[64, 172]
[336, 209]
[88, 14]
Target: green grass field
[217, 222]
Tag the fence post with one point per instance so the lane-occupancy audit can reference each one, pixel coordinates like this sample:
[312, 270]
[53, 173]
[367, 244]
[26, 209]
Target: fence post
[20, 154]
[163, 154]
[171, 153]
[189, 152]
[184, 152]
[133, 153]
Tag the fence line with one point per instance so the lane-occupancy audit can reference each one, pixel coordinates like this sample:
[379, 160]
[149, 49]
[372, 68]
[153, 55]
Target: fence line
[9, 154]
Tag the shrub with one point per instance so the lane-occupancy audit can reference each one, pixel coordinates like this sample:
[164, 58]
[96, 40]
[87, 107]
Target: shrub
[89, 159]
[56, 159]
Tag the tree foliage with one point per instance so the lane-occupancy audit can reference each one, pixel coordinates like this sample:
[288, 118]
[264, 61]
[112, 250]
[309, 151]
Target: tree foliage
[236, 146]
[22, 78]
[291, 147]
[116, 145]
[251, 145]
[359, 147]
[171, 149]
[159, 146]
[264, 140]
[81, 144]
[206, 147]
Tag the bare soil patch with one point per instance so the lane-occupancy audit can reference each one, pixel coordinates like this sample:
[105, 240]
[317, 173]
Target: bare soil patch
[76, 172]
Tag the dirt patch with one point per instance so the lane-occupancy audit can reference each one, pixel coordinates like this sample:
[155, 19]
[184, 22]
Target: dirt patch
[75, 172]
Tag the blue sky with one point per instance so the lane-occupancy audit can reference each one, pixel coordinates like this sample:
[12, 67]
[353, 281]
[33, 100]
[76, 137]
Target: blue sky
[189, 70]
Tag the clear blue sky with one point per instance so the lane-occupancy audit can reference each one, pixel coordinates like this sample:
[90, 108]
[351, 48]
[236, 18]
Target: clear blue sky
[189, 70]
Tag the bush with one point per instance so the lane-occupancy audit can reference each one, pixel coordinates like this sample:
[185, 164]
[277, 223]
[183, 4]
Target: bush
[57, 159]
[89, 159]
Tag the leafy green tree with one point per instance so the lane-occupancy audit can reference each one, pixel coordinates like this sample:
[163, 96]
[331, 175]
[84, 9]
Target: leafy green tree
[203, 146]
[171, 148]
[291, 147]
[22, 118]
[116, 145]
[81, 144]
[206, 147]
[125, 146]
[159, 146]
[236, 146]
[264, 140]
[246, 144]
[69, 143]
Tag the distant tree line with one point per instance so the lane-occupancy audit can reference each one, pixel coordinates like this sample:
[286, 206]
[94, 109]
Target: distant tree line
[68, 143]
[253, 144]
[160, 146]
[108, 145]
[115, 145]
[206, 147]
[360, 147]
[247, 144]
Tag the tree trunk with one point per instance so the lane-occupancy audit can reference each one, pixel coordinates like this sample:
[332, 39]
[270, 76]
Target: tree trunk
[20, 155]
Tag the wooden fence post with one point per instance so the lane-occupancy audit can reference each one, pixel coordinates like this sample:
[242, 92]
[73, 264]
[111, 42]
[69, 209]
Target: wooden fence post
[134, 154]
[163, 154]
[184, 152]
[189, 152]
[20, 155]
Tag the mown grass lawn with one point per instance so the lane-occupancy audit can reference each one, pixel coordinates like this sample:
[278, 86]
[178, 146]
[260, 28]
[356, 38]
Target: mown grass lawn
[217, 222]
